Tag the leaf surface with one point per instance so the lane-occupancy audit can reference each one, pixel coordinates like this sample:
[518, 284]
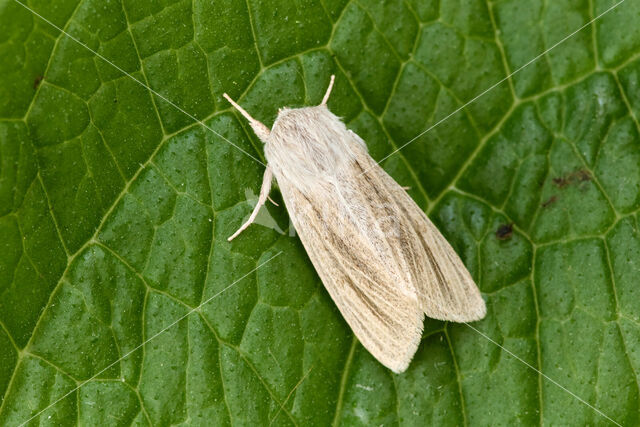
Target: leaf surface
[115, 206]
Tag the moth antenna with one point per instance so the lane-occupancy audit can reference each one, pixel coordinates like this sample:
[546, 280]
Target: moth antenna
[259, 128]
[326, 95]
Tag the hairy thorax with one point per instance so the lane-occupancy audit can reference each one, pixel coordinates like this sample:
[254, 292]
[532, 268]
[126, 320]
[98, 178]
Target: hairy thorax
[310, 146]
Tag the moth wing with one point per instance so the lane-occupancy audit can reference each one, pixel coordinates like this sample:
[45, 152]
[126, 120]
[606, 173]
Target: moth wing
[380, 258]
[378, 303]
[445, 288]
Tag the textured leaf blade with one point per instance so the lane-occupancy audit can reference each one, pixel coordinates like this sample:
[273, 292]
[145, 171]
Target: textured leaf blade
[116, 207]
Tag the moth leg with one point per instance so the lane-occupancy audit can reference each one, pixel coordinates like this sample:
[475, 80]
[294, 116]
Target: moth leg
[264, 194]
[258, 127]
[271, 200]
[326, 95]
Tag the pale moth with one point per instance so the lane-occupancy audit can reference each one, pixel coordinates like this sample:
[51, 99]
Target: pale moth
[380, 258]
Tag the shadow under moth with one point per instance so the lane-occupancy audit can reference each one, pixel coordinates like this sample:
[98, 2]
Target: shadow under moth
[381, 259]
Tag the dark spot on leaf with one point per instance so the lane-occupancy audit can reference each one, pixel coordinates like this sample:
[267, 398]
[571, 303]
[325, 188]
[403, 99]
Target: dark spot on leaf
[560, 182]
[37, 81]
[504, 232]
[581, 175]
[551, 200]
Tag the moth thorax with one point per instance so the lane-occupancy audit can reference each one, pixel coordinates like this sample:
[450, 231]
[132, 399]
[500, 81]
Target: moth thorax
[309, 146]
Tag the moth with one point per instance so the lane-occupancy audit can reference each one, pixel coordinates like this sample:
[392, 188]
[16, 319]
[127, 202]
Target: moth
[381, 259]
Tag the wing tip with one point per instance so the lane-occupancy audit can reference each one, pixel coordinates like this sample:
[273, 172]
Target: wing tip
[400, 367]
[400, 363]
[398, 356]
[473, 309]
[477, 310]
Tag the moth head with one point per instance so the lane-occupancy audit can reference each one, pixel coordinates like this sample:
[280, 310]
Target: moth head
[299, 121]
[286, 116]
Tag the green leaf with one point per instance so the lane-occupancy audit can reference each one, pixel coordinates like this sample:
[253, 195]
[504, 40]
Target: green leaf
[115, 206]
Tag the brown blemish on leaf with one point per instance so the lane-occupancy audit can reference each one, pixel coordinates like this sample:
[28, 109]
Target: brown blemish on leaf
[551, 200]
[37, 81]
[504, 232]
[560, 182]
[581, 175]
